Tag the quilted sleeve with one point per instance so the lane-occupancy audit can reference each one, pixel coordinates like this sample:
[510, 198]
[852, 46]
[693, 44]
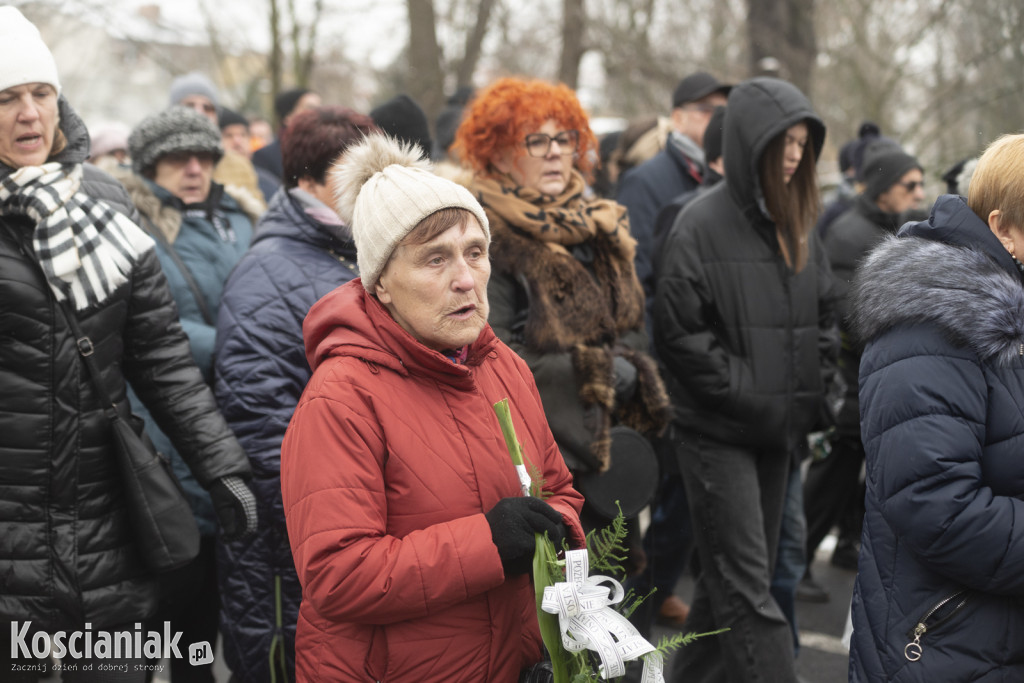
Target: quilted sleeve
[924, 421]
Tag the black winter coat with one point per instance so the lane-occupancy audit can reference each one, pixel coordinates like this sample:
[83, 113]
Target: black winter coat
[66, 554]
[849, 239]
[942, 420]
[747, 342]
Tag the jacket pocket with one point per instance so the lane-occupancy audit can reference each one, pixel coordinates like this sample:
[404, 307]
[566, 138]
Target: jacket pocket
[937, 615]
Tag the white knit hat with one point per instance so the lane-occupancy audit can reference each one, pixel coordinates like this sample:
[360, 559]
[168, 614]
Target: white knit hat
[24, 57]
[383, 189]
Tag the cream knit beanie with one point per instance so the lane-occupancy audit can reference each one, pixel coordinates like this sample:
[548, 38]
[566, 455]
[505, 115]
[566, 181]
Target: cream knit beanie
[383, 190]
[24, 57]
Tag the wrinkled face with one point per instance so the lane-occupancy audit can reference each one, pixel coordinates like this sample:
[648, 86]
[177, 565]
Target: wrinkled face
[549, 173]
[437, 291]
[28, 123]
[796, 142]
[202, 104]
[236, 137]
[186, 175]
[906, 194]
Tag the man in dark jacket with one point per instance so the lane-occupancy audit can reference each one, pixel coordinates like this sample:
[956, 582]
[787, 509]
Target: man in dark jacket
[677, 168]
[286, 105]
[892, 186]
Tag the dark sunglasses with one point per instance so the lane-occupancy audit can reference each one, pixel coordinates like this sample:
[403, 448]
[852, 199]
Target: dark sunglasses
[912, 185]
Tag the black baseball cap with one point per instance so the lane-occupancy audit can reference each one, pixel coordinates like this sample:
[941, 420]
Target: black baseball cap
[697, 86]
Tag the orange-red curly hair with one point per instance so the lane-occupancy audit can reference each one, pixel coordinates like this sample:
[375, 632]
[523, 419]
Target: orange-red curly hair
[505, 112]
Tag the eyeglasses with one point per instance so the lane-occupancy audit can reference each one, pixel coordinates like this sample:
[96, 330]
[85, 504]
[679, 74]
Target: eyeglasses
[912, 185]
[539, 144]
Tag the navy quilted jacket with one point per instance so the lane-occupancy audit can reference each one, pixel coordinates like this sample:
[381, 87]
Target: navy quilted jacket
[260, 372]
[941, 577]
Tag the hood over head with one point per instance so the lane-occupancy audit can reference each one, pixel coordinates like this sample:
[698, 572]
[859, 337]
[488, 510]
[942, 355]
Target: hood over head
[951, 271]
[759, 109]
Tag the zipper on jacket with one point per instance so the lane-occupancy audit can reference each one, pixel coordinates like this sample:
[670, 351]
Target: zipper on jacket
[913, 650]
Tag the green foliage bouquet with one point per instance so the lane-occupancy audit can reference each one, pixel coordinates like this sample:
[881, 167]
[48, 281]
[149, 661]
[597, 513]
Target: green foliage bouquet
[584, 619]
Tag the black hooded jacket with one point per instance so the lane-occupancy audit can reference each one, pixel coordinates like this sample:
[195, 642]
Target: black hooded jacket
[747, 342]
[66, 549]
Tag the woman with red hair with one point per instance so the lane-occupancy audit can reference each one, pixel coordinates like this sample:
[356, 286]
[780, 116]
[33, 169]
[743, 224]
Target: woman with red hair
[563, 291]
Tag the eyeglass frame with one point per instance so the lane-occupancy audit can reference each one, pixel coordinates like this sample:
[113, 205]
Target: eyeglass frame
[912, 185]
[563, 149]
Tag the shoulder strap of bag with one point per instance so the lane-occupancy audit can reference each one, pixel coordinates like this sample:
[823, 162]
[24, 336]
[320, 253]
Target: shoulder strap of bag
[86, 349]
[186, 272]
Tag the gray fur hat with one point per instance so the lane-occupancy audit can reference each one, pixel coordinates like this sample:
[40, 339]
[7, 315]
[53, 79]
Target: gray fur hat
[178, 129]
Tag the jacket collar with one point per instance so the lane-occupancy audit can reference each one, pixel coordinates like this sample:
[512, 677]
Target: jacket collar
[949, 271]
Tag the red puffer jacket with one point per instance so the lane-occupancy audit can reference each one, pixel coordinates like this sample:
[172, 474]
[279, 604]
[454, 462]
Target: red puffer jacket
[392, 457]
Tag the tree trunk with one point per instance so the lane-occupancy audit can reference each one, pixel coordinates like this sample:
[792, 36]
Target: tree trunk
[426, 81]
[574, 25]
[276, 65]
[782, 40]
[474, 44]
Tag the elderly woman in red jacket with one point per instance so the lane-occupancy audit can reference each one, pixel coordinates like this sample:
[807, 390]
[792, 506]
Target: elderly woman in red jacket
[410, 534]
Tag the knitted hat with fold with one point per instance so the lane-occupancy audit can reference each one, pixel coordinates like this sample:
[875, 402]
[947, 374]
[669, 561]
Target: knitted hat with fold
[884, 164]
[384, 190]
[24, 57]
[193, 83]
[178, 129]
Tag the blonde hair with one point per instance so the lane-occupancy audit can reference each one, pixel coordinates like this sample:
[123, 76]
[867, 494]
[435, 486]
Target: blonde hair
[998, 181]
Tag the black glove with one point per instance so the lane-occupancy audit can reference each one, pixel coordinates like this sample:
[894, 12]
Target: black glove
[624, 376]
[236, 507]
[513, 523]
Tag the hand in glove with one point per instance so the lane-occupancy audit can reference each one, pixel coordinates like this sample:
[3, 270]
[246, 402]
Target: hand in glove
[236, 507]
[513, 523]
[624, 376]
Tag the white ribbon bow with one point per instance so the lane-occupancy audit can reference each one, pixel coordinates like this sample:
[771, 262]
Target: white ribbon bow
[587, 621]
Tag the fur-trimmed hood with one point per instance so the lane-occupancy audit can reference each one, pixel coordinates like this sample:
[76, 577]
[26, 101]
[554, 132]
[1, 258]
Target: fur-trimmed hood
[166, 217]
[950, 271]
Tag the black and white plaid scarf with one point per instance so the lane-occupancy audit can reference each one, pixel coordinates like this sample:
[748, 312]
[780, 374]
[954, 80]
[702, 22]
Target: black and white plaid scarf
[82, 244]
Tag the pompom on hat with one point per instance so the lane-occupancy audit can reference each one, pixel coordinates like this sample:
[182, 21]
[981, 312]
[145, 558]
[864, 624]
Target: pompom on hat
[384, 190]
[24, 57]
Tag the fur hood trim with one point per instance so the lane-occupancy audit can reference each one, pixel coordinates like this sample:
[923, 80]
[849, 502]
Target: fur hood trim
[912, 280]
[167, 219]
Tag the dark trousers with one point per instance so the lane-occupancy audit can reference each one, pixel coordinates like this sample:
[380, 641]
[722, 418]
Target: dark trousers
[791, 563]
[736, 498]
[190, 601]
[83, 670]
[667, 544]
[832, 492]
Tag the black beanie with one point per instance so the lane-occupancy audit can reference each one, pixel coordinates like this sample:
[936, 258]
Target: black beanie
[400, 117]
[884, 164]
[229, 117]
[286, 101]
